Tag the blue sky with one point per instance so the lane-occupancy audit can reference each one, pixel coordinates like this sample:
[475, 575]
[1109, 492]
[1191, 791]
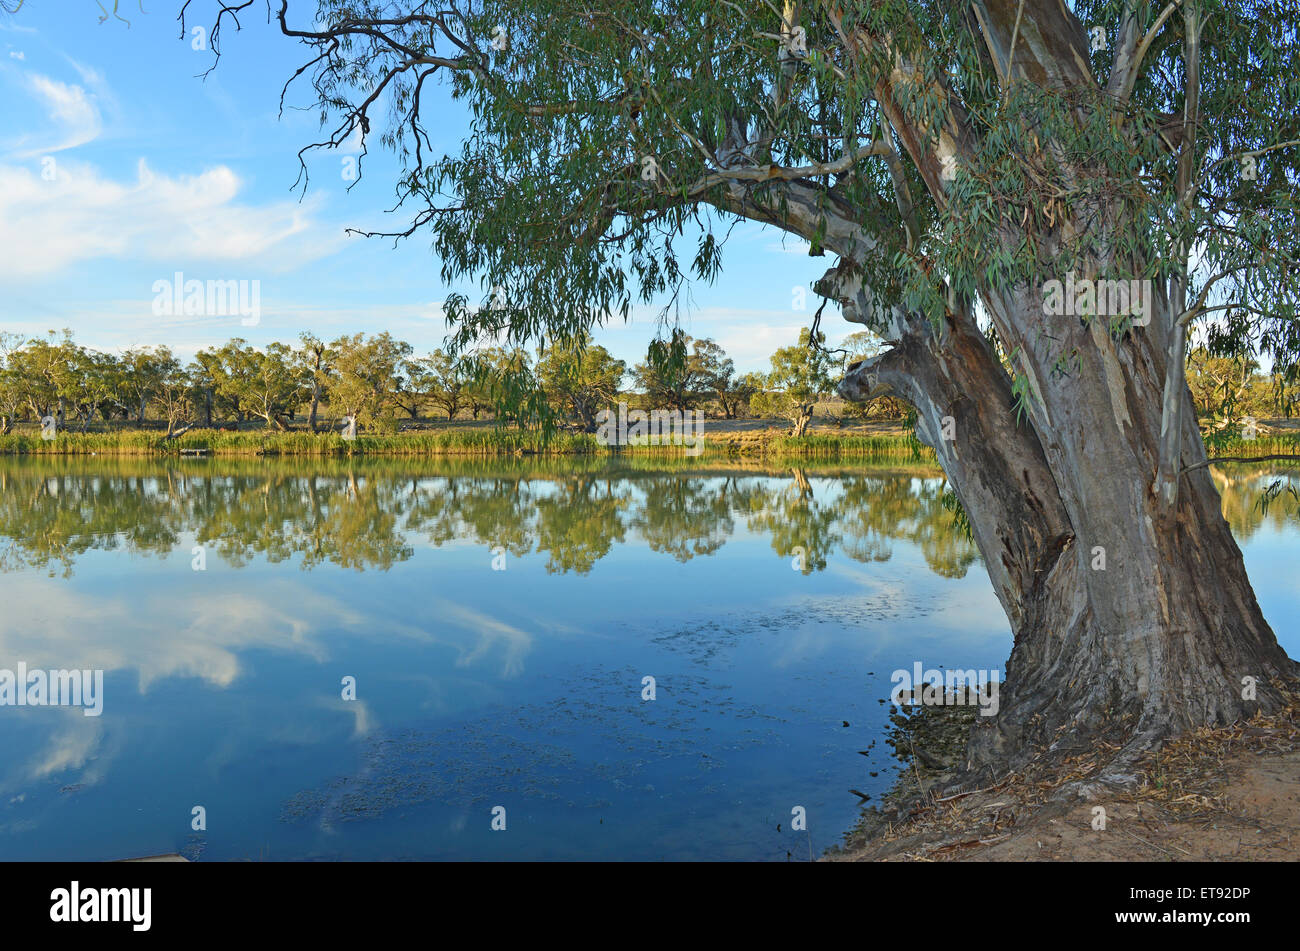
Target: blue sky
[120, 165]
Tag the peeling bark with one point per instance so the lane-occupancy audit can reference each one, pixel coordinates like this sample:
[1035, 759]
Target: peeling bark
[1119, 627]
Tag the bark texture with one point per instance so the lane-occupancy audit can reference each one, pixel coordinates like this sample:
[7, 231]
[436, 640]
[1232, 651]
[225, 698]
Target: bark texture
[1128, 621]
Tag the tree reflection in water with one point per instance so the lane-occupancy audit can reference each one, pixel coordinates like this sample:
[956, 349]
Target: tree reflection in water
[365, 514]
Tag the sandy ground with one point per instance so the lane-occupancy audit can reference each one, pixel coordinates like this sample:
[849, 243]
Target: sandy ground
[1231, 794]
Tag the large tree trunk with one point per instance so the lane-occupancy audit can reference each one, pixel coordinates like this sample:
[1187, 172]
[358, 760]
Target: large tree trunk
[1128, 621]
[1130, 608]
[1159, 641]
[1168, 632]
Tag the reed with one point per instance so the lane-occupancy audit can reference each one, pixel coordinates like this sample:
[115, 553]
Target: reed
[882, 447]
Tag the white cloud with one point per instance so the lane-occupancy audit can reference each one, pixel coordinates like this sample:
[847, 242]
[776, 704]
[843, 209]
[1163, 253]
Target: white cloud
[17, 54]
[488, 633]
[151, 634]
[47, 226]
[70, 747]
[753, 343]
[113, 325]
[68, 107]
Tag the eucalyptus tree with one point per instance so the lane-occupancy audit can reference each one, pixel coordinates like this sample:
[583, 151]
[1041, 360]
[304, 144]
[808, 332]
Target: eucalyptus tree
[720, 377]
[492, 374]
[745, 389]
[93, 383]
[11, 389]
[734, 392]
[177, 397]
[143, 370]
[582, 377]
[263, 383]
[508, 376]
[445, 379]
[800, 374]
[1225, 388]
[412, 390]
[206, 372]
[676, 374]
[315, 360]
[39, 371]
[974, 168]
[367, 374]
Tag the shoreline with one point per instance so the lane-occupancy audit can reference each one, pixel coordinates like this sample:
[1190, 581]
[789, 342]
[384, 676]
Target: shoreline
[1214, 794]
[462, 442]
[824, 442]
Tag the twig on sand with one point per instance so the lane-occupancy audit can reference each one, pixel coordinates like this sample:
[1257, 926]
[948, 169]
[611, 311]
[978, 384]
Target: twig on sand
[1153, 845]
[970, 792]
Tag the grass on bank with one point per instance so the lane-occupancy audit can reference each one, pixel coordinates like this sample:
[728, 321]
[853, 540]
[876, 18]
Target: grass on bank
[483, 441]
[297, 443]
[896, 447]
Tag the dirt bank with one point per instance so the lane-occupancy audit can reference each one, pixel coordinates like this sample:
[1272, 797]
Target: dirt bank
[1229, 794]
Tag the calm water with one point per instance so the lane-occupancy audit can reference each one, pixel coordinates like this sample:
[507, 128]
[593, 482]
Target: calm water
[769, 605]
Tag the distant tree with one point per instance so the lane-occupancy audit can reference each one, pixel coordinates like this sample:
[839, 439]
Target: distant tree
[39, 367]
[718, 376]
[315, 360]
[212, 400]
[175, 397]
[11, 389]
[745, 389]
[582, 377]
[262, 383]
[413, 386]
[800, 374]
[1226, 389]
[367, 374]
[93, 382]
[491, 376]
[675, 373]
[446, 382]
[143, 369]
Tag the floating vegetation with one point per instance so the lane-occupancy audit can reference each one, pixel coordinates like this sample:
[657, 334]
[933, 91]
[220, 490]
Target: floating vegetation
[596, 729]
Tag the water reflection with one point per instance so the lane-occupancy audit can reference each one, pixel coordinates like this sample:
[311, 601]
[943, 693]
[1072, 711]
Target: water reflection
[477, 687]
[1242, 487]
[366, 515]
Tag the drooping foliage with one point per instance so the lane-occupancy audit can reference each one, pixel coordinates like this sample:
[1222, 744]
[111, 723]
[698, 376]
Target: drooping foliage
[610, 145]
